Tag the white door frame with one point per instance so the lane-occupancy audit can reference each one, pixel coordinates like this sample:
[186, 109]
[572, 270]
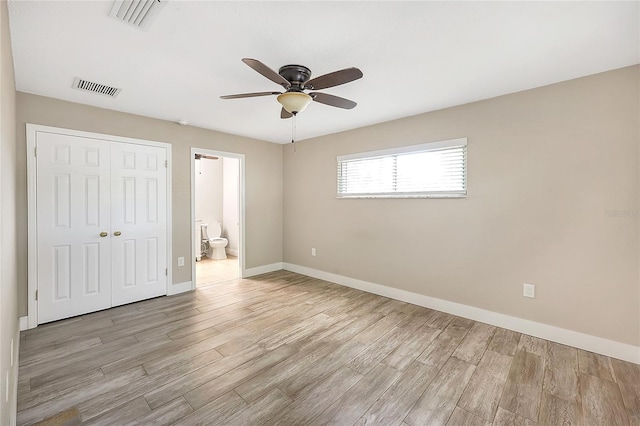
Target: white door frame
[32, 252]
[241, 251]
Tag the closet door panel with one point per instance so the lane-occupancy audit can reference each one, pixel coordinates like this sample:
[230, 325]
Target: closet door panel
[138, 214]
[72, 209]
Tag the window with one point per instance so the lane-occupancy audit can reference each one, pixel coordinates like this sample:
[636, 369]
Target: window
[437, 169]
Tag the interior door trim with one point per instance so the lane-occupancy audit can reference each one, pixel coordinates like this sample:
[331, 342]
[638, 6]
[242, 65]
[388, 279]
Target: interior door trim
[32, 131]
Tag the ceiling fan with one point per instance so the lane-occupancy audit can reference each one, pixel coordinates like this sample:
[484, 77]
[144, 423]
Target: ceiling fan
[295, 79]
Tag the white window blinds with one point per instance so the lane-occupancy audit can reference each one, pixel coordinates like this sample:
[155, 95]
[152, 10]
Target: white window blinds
[437, 169]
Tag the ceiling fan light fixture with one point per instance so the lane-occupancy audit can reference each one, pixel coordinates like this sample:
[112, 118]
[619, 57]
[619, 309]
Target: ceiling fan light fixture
[294, 102]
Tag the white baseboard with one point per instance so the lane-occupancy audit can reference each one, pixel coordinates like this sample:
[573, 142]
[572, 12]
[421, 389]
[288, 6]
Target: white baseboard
[232, 252]
[180, 288]
[24, 323]
[250, 272]
[564, 336]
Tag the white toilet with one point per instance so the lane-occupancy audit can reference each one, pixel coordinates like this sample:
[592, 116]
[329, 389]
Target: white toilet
[216, 244]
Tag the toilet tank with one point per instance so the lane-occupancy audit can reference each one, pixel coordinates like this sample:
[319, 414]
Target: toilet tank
[215, 230]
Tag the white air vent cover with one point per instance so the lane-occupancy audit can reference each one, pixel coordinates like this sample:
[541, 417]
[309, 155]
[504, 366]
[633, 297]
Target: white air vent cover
[90, 86]
[139, 13]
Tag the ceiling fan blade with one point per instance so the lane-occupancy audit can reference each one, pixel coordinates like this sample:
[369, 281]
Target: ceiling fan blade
[267, 72]
[249, 95]
[332, 100]
[285, 114]
[332, 79]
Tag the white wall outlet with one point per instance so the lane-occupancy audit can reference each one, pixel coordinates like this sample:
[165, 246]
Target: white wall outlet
[529, 291]
[181, 261]
[313, 251]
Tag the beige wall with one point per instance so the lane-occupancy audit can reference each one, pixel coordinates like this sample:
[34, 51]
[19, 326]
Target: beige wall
[263, 178]
[543, 167]
[8, 287]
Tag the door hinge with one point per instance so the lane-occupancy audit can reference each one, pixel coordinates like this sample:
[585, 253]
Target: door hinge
[166, 163]
[35, 152]
[36, 295]
[166, 271]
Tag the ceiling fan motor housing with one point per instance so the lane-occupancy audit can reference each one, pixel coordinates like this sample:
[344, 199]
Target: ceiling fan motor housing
[295, 79]
[297, 75]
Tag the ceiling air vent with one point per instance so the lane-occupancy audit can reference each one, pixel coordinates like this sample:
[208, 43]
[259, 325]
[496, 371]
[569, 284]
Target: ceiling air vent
[139, 13]
[90, 86]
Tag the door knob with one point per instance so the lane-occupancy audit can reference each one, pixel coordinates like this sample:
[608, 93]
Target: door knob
[103, 234]
[117, 233]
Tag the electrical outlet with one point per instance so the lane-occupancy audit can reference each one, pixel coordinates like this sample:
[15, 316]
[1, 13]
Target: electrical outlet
[181, 261]
[529, 291]
[313, 252]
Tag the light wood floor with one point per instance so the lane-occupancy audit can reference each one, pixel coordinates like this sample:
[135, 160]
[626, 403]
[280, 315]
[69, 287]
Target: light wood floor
[285, 349]
[210, 271]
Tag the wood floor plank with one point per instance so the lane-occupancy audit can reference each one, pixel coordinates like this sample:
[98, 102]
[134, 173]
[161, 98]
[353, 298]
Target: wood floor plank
[58, 352]
[601, 402]
[57, 388]
[461, 417]
[392, 407]
[438, 402]
[215, 412]
[558, 411]
[123, 415]
[561, 372]
[260, 410]
[164, 415]
[181, 327]
[378, 350]
[168, 348]
[189, 381]
[405, 354]
[86, 360]
[386, 323]
[299, 331]
[304, 381]
[310, 405]
[262, 383]
[533, 345]
[628, 378]
[474, 343]
[70, 400]
[210, 390]
[439, 320]
[443, 346]
[482, 395]
[596, 365]
[504, 342]
[359, 397]
[521, 394]
[507, 418]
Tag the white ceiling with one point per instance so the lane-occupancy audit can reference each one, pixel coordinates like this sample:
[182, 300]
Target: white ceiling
[415, 56]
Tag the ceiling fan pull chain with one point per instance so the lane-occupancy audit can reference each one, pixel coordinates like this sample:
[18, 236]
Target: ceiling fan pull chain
[293, 132]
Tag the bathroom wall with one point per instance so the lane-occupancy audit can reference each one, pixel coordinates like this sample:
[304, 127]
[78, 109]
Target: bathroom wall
[208, 191]
[230, 203]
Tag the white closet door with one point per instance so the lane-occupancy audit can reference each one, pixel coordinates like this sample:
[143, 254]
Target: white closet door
[73, 209]
[138, 222]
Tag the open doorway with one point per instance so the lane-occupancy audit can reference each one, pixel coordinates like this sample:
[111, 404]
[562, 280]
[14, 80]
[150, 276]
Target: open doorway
[217, 216]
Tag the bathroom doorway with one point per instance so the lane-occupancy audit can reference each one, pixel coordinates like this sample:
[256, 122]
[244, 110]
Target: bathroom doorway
[217, 210]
